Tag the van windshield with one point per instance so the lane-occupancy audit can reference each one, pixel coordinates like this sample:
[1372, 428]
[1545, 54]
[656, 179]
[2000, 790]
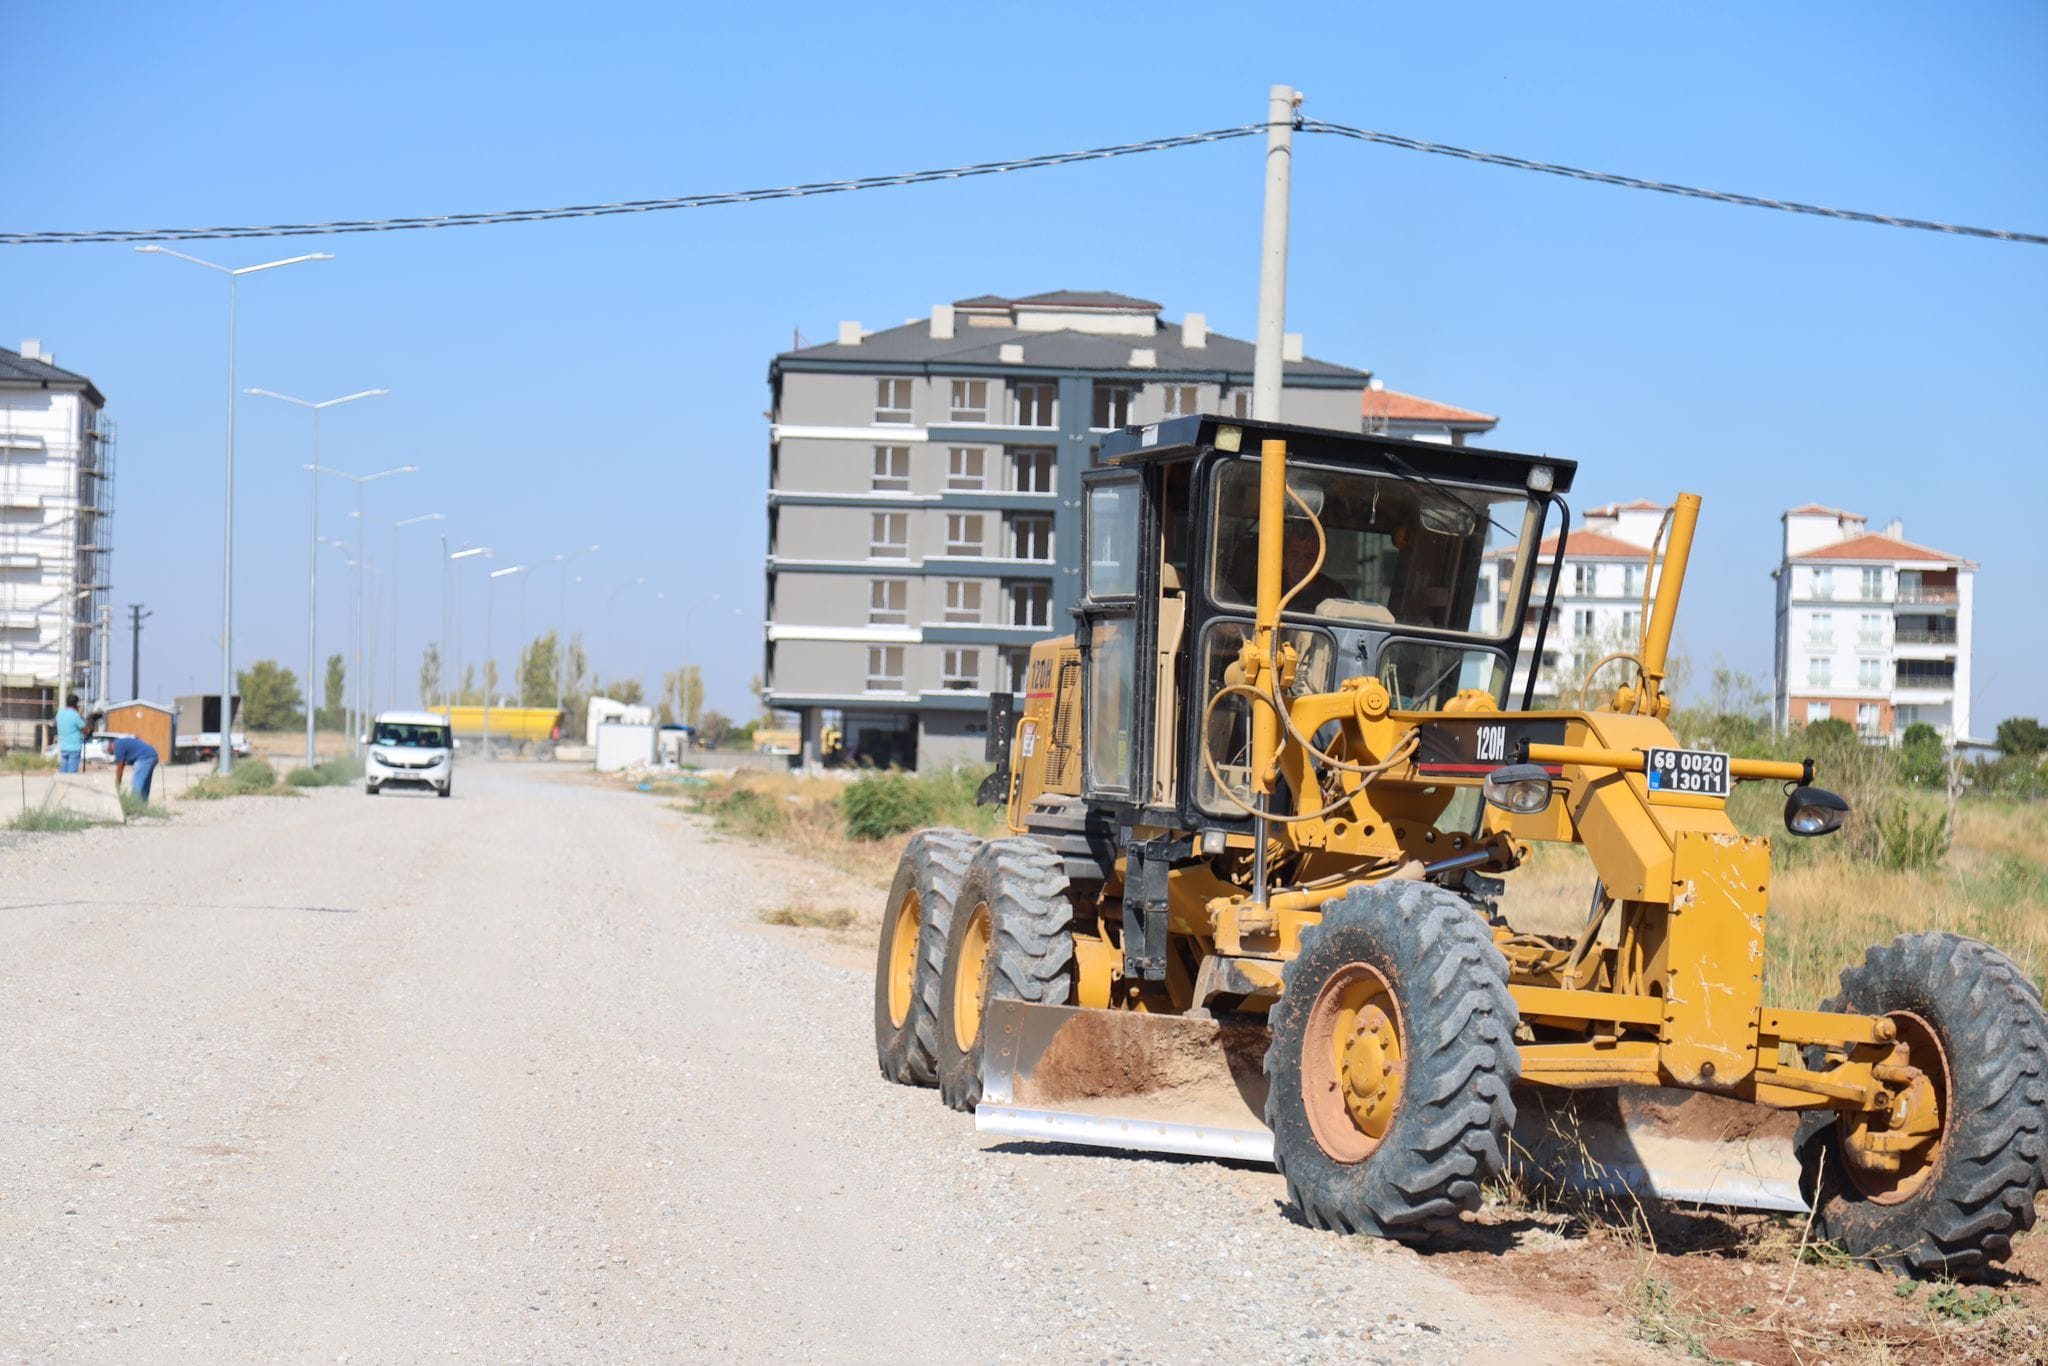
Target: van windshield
[408, 735]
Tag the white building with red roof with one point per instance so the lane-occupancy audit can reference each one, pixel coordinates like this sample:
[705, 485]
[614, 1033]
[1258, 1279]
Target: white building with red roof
[1389, 412]
[1873, 629]
[1599, 605]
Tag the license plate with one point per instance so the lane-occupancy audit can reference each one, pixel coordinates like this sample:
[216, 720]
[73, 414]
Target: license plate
[1695, 772]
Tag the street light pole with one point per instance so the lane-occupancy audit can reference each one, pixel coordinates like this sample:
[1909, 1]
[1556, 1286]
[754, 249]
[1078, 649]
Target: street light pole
[562, 623]
[227, 564]
[396, 527]
[361, 689]
[313, 544]
[489, 661]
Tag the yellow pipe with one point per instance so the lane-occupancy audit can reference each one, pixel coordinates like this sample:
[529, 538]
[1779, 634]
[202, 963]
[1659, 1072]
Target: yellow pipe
[1272, 527]
[1657, 631]
[1631, 761]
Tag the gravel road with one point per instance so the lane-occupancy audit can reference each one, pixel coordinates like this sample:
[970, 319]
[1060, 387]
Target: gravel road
[519, 1076]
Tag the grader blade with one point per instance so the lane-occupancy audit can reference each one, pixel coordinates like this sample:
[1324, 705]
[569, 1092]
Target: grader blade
[1122, 1079]
[1651, 1143]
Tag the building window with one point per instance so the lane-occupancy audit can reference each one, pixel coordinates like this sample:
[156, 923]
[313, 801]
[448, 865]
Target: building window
[1014, 662]
[1818, 711]
[963, 600]
[888, 602]
[1582, 623]
[1031, 538]
[1035, 405]
[885, 668]
[1870, 629]
[892, 469]
[959, 669]
[889, 536]
[1869, 673]
[1631, 624]
[1180, 400]
[1031, 469]
[892, 402]
[963, 533]
[1820, 671]
[1583, 579]
[1112, 405]
[1632, 581]
[1866, 717]
[1031, 605]
[970, 400]
[1822, 582]
[1820, 628]
[1241, 405]
[1873, 585]
[966, 467]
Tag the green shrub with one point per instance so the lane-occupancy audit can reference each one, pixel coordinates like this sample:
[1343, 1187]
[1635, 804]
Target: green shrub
[26, 761]
[746, 811]
[251, 778]
[879, 805]
[328, 773]
[38, 820]
[141, 808]
[1909, 839]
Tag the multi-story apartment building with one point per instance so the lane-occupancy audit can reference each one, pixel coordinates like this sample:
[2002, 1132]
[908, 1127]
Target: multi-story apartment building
[1872, 629]
[924, 496]
[56, 494]
[1599, 604]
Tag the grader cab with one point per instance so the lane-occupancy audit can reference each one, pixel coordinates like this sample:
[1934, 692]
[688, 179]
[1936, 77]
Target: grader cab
[1264, 802]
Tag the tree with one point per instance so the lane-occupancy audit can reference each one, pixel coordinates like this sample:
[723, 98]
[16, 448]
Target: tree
[538, 679]
[1831, 733]
[2022, 736]
[760, 692]
[270, 697]
[712, 729]
[468, 697]
[333, 710]
[430, 676]
[1921, 759]
[683, 693]
[627, 690]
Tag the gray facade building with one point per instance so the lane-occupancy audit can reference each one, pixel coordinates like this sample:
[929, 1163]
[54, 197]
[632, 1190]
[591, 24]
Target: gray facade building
[924, 497]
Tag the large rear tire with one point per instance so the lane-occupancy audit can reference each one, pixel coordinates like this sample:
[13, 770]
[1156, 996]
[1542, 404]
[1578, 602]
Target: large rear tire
[1012, 937]
[1970, 1020]
[919, 910]
[1391, 1064]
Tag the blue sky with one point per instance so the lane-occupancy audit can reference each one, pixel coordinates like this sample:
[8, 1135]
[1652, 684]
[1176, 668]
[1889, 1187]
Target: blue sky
[604, 380]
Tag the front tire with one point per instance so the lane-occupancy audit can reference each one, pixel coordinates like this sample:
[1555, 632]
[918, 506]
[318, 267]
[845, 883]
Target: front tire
[369, 789]
[1012, 937]
[1971, 1021]
[1391, 1064]
[914, 926]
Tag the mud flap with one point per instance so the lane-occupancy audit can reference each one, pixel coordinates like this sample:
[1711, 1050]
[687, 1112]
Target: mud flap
[1656, 1144]
[1122, 1079]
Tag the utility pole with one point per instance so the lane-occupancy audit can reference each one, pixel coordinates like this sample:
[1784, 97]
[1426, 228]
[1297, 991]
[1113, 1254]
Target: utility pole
[136, 616]
[1281, 103]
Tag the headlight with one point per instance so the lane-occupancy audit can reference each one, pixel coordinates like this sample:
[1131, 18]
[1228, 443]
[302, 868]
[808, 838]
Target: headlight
[1521, 788]
[1814, 811]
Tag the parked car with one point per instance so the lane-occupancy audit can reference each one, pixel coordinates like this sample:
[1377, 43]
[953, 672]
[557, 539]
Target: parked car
[410, 749]
[99, 747]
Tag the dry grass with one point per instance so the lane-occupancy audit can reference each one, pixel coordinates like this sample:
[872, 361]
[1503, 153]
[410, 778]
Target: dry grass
[805, 916]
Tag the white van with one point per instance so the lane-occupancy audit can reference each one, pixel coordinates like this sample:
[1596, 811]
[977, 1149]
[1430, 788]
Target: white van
[410, 749]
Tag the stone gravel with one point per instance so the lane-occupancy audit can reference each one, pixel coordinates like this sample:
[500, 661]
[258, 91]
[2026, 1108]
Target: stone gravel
[520, 1077]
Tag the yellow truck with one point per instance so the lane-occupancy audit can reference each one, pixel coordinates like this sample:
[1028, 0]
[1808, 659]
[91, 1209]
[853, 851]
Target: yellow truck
[508, 725]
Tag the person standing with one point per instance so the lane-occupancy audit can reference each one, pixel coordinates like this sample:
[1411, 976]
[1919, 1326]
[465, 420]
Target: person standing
[126, 750]
[70, 736]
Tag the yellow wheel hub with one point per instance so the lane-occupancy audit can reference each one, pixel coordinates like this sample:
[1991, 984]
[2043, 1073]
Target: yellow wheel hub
[903, 958]
[1890, 1153]
[1351, 1063]
[970, 982]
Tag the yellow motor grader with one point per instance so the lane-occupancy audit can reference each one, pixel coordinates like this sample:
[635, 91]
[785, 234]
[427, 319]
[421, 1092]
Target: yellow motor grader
[1264, 803]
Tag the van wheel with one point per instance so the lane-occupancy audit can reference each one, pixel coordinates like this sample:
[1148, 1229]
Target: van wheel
[448, 789]
[369, 790]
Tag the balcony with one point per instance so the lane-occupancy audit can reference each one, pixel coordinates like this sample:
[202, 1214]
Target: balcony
[1926, 596]
[1947, 638]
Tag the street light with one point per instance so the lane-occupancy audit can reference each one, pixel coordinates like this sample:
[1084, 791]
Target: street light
[362, 689]
[312, 545]
[489, 662]
[227, 559]
[562, 622]
[396, 527]
[455, 633]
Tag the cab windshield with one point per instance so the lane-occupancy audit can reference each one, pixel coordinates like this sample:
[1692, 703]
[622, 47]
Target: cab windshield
[409, 735]
[1401, 551]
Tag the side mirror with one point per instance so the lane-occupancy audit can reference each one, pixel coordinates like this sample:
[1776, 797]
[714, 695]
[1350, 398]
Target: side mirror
[1814, 811]
[456, 744]
[365, 740]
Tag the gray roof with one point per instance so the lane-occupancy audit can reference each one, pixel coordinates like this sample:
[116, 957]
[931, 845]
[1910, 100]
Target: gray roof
[17, 371]
[913, 344]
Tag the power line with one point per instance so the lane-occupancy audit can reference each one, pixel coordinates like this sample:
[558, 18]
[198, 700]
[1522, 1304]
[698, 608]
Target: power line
[700, 201]
[1665, 187]
[693, 201]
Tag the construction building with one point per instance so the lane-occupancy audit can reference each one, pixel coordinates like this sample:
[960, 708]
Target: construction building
[56, 497]
[924, 495]
[1873, 629]
[1599, 604]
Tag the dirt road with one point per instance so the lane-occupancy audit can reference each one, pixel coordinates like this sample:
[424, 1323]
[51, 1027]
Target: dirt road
[519, 1076]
